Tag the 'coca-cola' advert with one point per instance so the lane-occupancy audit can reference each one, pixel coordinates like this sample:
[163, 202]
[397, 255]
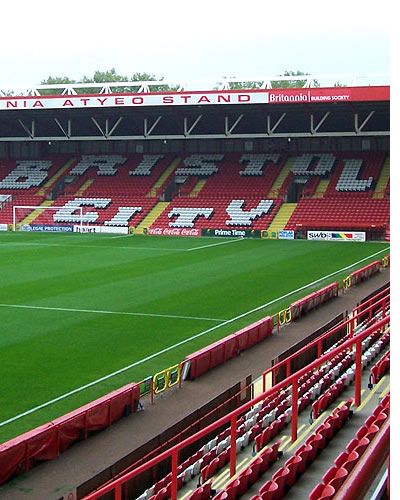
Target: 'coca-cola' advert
[173, 231]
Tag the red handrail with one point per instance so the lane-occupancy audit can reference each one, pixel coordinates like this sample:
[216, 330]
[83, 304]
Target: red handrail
[318, 341]
[231, 418]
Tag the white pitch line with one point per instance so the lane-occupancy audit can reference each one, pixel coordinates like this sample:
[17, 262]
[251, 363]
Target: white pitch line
[97, 311]
[215, 244]
[182, 342]
[22, 244]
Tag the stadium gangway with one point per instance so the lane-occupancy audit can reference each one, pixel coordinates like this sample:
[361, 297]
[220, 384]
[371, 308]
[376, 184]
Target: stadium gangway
[231, 417]
[350, 323]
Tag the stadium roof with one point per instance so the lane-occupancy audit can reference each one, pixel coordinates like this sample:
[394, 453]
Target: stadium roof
[210, 114]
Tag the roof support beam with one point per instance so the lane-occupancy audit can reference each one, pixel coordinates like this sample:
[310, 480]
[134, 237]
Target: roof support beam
[147, 130]
[66, 132]
[358, 128]
[315, 128]
[229, 130]
[271, 130]
[187, 131]
[30, 132]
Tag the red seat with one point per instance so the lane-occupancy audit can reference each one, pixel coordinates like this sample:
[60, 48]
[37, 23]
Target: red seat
[304, 453]
[339, 478]
[292, 464]
[351, 461]
[281, 477]
[362, 445]
[322, 492]
[255, 470]
[244, 481]
[231, 490]
[269, 490]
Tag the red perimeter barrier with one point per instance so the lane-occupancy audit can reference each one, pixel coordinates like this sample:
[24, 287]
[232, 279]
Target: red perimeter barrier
[314, 299]
[217, 353]
[365, 272]
[48, 441]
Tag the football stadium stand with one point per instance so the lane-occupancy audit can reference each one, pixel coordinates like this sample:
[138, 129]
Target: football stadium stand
[310, 420]
[205, 191]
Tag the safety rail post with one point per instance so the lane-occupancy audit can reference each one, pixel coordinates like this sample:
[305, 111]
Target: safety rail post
[232, 458]
[288, 367]
[358, 374]
[117, 492]
[113, 484]
[174, 475]
[152, 391]
[295, 408]
[319, 348]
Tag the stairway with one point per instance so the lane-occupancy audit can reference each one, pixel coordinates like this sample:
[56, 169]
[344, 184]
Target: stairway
[84, 186]
[33, 215]
[382, 181]
[50, 183]
[151, 216]
[278, 183]
[321, 188]
[282, 217]
[164, 176]
[197, 188]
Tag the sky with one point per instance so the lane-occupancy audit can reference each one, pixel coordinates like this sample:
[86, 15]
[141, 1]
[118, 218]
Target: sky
[189, 41]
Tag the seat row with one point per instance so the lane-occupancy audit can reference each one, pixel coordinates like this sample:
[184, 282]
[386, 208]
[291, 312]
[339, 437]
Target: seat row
[295, 466]
[336, 475]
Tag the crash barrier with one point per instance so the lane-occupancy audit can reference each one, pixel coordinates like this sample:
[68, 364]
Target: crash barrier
[364, 273]
[48, 441]
[209, 357]
[313, 300]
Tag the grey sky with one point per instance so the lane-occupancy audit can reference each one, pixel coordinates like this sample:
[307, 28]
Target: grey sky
[187, 41]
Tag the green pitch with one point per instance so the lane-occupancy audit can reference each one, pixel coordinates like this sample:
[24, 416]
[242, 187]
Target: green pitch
[76, 308]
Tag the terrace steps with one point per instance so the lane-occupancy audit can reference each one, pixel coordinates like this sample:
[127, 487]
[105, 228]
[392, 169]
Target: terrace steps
[44, 189]
[151, 217]
[279, 181]
[164, 176]
[379, 192]
[321, 188]
[33, 215]
[282, 217]
[84, 187]
[197, 188]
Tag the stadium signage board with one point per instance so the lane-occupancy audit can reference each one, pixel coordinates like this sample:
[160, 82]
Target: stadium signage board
[336, 235]
[269, 96]
[286, 235]
[100, 229]
[42, 228]
[3, 227]
[173, 231]
[232, 233]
